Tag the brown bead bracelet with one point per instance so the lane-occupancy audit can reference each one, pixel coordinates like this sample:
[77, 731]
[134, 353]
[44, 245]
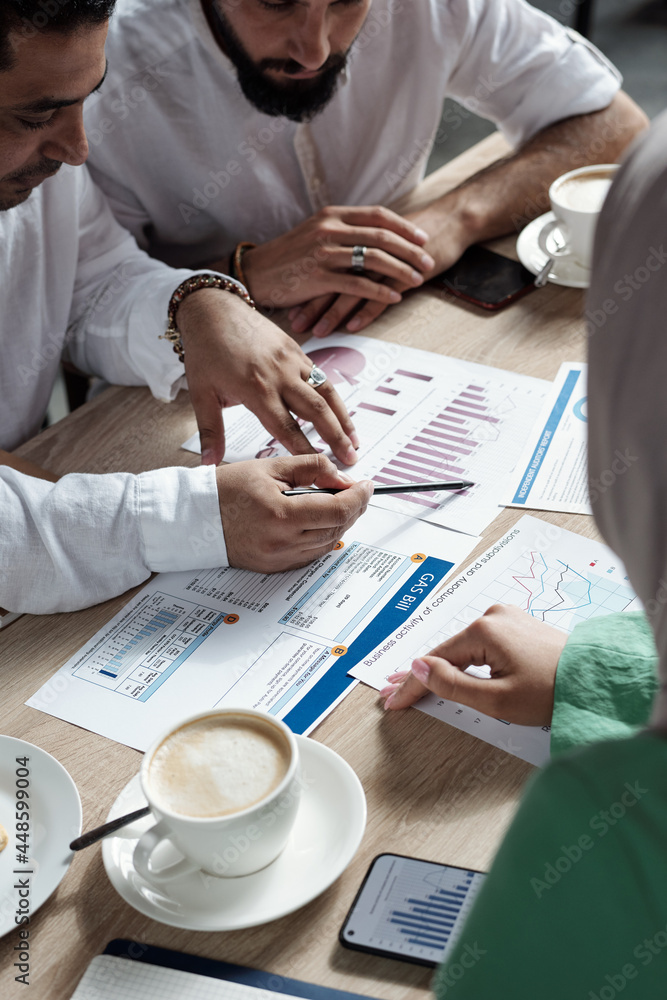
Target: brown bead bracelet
[185, 288]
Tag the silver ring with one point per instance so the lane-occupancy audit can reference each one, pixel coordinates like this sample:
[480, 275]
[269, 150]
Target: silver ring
[358, 258]
[317, 377]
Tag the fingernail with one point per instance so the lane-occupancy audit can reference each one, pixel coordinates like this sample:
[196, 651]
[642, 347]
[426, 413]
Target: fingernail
[389, 700]
[354, 438]
[394, 296]
[353, 325]
[417, 278]
[421, 670]
[351, 456]
[369, 482]
[207, 457]
[321, 328]
[427, 261]
[422, 234]
[399, 676]
[299, 322]
[387, 691]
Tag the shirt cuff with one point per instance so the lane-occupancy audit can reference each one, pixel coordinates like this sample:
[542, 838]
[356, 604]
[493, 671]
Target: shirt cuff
[179, 514]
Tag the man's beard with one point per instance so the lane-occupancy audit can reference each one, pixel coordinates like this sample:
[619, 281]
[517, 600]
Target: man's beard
[45, 167]
[298, 100]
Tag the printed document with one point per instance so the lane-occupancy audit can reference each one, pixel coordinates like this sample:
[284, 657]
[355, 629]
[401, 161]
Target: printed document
[226, 637]
[420, 417]
[552, 472]
[553, 574]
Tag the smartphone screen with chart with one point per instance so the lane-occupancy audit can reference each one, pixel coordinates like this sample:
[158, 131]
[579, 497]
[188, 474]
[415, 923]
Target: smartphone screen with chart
[410, 909]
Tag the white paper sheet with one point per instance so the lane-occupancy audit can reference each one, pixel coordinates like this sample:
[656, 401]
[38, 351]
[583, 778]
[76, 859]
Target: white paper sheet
[555, 575]
[552, 473]
[420, 417]
[281, 643]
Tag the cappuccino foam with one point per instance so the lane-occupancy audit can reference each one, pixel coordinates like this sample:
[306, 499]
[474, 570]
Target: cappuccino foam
[218, 766]
[585, 193]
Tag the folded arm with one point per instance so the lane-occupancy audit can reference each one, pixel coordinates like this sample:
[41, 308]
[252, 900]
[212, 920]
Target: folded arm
[500, 199]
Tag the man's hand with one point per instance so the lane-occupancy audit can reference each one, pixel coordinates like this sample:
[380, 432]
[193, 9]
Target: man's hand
[267, 532]
[523, 655]
[234, 355]
[315, 258]
[328, 313]
[499, 199]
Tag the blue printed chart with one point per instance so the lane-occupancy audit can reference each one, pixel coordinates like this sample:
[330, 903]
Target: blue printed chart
[222, 637]
[553, 575]
[413, 908]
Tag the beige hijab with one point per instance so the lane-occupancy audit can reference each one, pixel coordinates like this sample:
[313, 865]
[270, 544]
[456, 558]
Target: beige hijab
[626, 312]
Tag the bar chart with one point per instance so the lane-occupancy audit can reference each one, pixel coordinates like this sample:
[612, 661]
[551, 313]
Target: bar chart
[149, 643]
[419, 417]
[454, 427]
[414, 908]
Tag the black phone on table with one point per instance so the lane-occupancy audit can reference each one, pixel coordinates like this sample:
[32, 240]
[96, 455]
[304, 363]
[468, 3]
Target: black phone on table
[486, 279]
[410, 909]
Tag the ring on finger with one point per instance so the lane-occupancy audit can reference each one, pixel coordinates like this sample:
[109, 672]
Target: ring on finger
[358, 258]
[316, 378]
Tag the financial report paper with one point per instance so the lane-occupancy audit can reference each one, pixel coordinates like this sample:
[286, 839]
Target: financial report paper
[554, 575]
[552, 472]
[281, 643]
[420, 417]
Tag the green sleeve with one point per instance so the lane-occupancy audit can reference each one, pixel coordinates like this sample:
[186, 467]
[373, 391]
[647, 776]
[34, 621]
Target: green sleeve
[606, 681]
[574, 906]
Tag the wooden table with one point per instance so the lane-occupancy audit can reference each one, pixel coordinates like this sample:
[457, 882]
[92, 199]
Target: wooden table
[432, 791]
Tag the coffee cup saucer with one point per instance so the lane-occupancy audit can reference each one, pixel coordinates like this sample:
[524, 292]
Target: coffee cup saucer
[530, 247]
[326, 834]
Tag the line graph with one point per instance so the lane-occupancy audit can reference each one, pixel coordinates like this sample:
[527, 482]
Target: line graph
[554, 575]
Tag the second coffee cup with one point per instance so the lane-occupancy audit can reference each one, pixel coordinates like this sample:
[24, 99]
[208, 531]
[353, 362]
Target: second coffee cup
[576, 200]
[225, 788]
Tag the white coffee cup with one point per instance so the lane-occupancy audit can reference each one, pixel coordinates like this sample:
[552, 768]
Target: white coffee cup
[225, 788]
[576, 200]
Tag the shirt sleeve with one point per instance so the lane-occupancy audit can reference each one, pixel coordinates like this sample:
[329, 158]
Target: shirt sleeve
[606, 681]
[524, 71]
[85, 539]
[120, 303]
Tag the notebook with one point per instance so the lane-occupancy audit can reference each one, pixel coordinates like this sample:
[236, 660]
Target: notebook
[131, 971]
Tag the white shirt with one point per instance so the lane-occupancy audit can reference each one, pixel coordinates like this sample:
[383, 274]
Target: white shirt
[74, 283]
[191, 168]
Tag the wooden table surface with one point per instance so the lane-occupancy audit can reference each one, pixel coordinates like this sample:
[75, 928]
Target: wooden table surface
[432, 791]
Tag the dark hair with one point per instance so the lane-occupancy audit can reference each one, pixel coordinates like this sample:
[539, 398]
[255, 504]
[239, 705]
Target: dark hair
[27, 17]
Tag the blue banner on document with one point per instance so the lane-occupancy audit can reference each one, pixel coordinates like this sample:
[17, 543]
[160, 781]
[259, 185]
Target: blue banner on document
[542, 446]
[403, 603]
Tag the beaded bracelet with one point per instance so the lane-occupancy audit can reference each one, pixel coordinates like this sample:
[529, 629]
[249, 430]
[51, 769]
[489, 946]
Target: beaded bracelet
[185, 288]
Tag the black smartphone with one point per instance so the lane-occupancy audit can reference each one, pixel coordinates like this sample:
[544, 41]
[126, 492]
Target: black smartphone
[410, 909]
[486, 279]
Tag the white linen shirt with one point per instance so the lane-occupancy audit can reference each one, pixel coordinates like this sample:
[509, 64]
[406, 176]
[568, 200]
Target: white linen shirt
[192, 168]
[75, 284]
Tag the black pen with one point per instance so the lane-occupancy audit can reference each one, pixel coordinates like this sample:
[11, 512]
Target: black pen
[459, 484]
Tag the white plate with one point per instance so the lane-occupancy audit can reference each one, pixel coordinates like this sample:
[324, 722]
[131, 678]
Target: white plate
[55, 808]
[565, 271]
[325, 837]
